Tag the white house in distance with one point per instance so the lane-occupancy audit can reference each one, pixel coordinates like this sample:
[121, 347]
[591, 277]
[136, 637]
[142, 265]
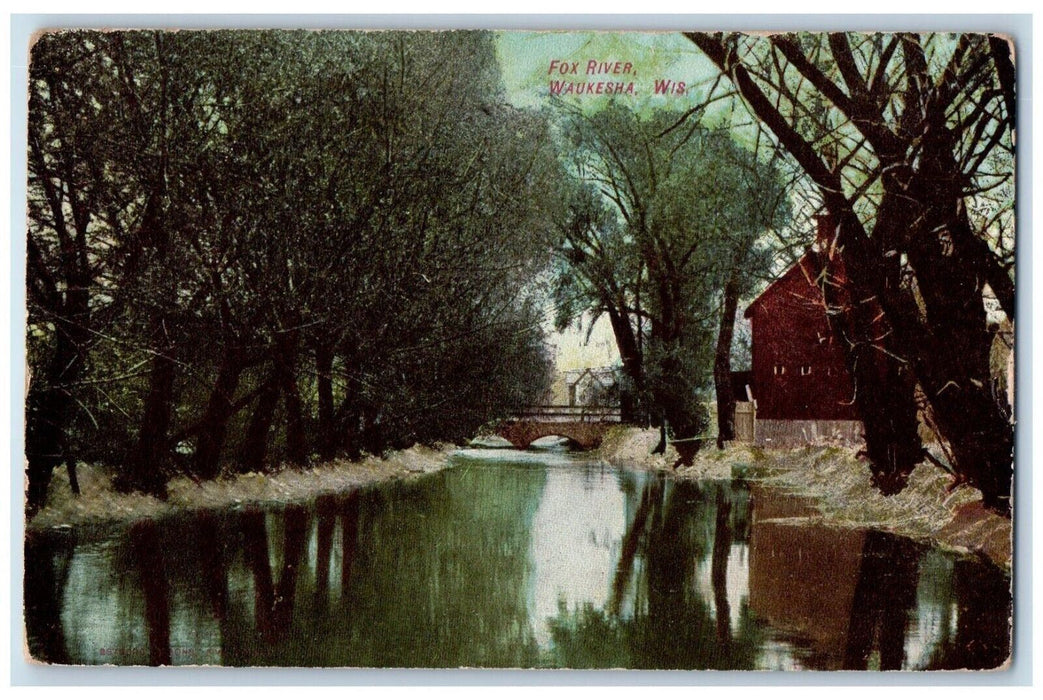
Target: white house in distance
[588, 386]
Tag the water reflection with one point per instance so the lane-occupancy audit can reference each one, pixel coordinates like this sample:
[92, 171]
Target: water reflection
[883, 599]
[514, 560]
[147, 554]
[660, 614]
[46, 577]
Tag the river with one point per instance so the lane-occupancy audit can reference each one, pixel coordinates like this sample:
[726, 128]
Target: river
[513, 559]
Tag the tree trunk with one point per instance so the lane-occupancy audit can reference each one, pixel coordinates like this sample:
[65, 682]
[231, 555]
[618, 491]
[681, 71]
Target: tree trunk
[49, 402]
[146, 465]
[884, 383]
[943, 344]
[679, 406]
[48, 414]
[346, 432]
[626, 343]
[218, 412]
[255, 448]
[47, 411]
[946, 341]
[952, 265]
[954, 371]
[324, 387]
[371, 435]
[70, 468]
[722, 366]
[349, 425]
[296, 441]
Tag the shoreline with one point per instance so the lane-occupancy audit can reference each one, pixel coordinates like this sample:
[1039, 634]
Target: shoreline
[927, 510]
[837, 482]
[98, 503]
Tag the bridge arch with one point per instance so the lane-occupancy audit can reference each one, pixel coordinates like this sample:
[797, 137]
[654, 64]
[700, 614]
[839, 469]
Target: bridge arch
[523, 432]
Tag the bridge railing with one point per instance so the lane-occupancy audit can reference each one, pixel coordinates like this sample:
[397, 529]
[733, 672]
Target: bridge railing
[563, 413]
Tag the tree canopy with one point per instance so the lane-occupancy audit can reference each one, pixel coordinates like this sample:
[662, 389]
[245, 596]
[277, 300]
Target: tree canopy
[664, 219]
[317, 241]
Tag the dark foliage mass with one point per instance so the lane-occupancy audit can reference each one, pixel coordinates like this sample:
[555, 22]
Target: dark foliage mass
[255, 247]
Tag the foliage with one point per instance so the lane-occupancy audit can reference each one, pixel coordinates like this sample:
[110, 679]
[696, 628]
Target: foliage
[664, 218]
[320, 241]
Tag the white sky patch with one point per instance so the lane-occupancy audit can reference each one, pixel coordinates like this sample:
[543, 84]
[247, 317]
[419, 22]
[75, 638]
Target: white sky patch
[572, 350]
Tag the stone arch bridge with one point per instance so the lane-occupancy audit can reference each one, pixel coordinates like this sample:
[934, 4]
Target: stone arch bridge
[584, 425]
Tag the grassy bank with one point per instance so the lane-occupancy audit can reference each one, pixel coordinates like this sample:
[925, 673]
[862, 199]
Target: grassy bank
[928, 509]
[100, 502]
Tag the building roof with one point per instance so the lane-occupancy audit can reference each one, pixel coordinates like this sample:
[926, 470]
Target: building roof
[606, 376]
[806, 267]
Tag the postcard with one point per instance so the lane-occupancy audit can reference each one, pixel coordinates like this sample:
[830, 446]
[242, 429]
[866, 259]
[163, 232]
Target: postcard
[520, 349]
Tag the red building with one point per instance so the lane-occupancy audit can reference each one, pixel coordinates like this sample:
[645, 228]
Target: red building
[799, 369]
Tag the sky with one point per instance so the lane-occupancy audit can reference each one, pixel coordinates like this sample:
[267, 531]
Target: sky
[572, 349]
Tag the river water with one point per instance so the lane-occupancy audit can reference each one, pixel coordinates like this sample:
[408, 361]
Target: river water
[514, 559]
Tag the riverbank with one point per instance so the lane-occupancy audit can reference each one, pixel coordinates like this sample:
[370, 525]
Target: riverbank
[99, 502]
[925, 510]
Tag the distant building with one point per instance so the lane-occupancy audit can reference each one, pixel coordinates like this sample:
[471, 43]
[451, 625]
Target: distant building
[591, 386]
[799, 370]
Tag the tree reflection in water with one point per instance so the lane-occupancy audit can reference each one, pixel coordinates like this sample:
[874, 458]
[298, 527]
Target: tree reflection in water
[446, 572]
[722, 542]
[853, 599]
[273, 602]
[883, 598]
[676, 526]
[410, 574]
[148, 554]
[982, 638]
[883, 606]
[325, 520]
[48, 556]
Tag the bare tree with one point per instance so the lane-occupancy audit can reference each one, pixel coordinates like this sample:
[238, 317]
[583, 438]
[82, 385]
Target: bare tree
[894, 130]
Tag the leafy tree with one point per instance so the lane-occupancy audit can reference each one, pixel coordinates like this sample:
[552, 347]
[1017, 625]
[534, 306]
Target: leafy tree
[248, 247]
[98, 168]
[667, 219]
